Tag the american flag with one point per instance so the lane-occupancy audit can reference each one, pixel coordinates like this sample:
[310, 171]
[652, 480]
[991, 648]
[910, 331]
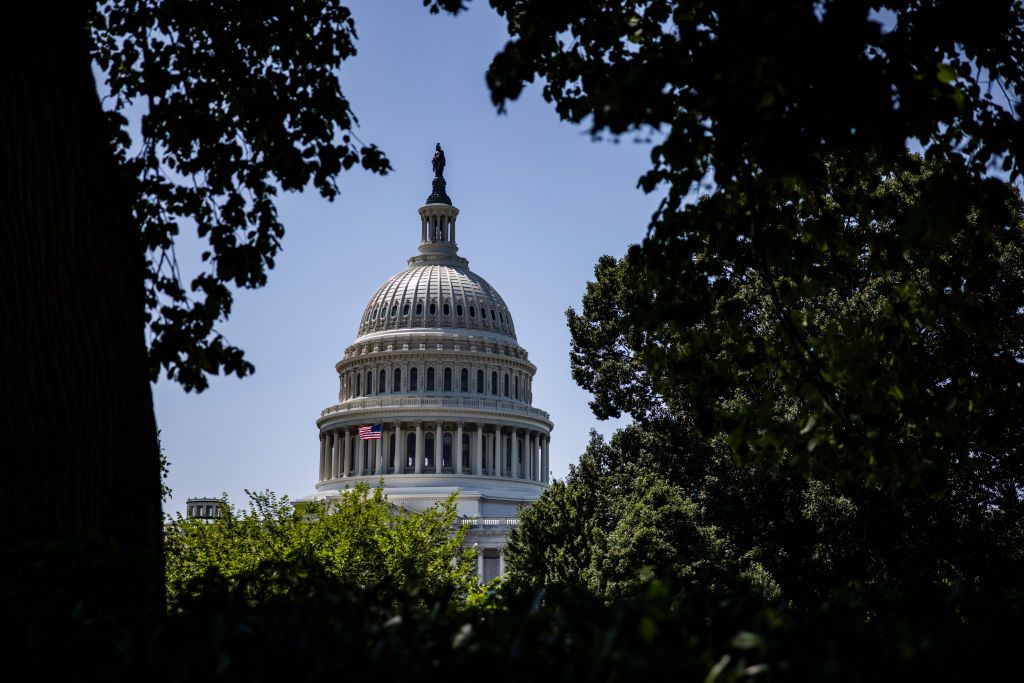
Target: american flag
[369, 432]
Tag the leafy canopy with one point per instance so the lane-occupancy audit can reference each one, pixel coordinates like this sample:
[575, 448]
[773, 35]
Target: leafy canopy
[358, 540]
[234, 100]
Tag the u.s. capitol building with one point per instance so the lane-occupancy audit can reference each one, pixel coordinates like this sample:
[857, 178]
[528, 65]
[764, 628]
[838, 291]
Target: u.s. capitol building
[437, 364]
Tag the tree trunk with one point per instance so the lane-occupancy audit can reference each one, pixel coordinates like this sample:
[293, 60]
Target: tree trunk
[79, 472]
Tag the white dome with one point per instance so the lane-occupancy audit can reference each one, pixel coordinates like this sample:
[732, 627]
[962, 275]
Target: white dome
[437, 295]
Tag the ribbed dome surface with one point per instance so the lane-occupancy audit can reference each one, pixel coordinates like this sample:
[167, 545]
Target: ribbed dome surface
[437, 295]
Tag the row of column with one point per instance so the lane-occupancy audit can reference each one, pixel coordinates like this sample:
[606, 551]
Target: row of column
[520, 384]
[487, 452]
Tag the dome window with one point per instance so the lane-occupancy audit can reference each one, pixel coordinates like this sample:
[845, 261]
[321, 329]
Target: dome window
[405, 309]
[458, 310]
[472, 312]
[447, 309]
[501, 317]
[492, 314]
[433, 309]
[419, 309]
[394, 310]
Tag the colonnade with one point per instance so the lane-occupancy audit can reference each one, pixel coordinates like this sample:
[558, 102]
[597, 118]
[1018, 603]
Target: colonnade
[418, 447]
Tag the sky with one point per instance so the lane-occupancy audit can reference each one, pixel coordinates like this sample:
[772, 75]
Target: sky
[539, 202]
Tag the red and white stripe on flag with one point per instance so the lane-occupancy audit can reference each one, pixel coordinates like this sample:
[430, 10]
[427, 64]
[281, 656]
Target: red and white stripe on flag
[369, 432]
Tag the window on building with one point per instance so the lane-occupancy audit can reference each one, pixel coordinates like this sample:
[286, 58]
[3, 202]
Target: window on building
[479, 381]
[447, 309]
[428, 452]
[464, 380]
[446, 452]
[501, 317]
[419, 309]
[505, 392]
[394, 310]
[382, 381]
[405, 308]
[483, 313]
[465, 452]
[494, 383]
[410, 450]
[492, 565]
[472, 311]
[447, 379]
[430, 379]
[433, 309]
[359, 388]
[515, 387]
[396, 384]
[492, 314]
[414, 376]
[369, 383]
[458, 310]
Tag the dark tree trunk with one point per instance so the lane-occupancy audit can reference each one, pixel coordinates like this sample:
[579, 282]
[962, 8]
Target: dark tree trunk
[80, 512]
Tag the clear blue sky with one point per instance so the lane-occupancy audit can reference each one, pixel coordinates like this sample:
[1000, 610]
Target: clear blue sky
[539, 200]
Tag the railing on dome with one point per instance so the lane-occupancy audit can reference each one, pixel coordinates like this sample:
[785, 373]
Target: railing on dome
[490, 521]
[414, 402]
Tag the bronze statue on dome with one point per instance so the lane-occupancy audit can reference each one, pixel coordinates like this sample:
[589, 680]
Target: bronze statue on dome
[438, 161]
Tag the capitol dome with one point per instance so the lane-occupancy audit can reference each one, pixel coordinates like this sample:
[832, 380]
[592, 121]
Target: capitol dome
[436, 394]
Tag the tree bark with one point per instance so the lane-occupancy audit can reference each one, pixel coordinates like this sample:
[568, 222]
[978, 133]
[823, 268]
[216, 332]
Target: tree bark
[79, 461]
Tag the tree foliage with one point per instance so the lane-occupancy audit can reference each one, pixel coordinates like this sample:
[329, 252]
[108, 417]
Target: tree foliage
[358, 540]
[234, 101]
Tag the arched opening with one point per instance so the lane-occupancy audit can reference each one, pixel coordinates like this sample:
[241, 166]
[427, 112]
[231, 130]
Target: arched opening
[516, 387]
[396, 384]
[505, 392]
[494, 383]
[382, 381]
[465, 452]
[464, 380]
[479, 381]
[447, 309]
[419, 308]
[428, 460]
[410, 451]
[430, 379]
[414, 376]
[458, 310]
[369, 382]
[446, 452]
[433, 309]
[447, 379]
[405, 308]
[359, 385]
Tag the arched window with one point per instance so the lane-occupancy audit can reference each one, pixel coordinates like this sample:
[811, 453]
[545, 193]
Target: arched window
[430, 379]
[419, 308]
[359, 383]
[394, 310]
[405, 308]
[447, 379]
[472, 311]
[369, 382]
[396, 385]
[414, 376]
[494, 383]
[410, 450]
[506, 386]
[446, 452]
[515, 388]
[464, 380]
[483, 313]
[458, 310]
[433, 309]
[428, 452]
[465, 452]
[382, 382]
[447, 309]
[479, 381]
[492, 314]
